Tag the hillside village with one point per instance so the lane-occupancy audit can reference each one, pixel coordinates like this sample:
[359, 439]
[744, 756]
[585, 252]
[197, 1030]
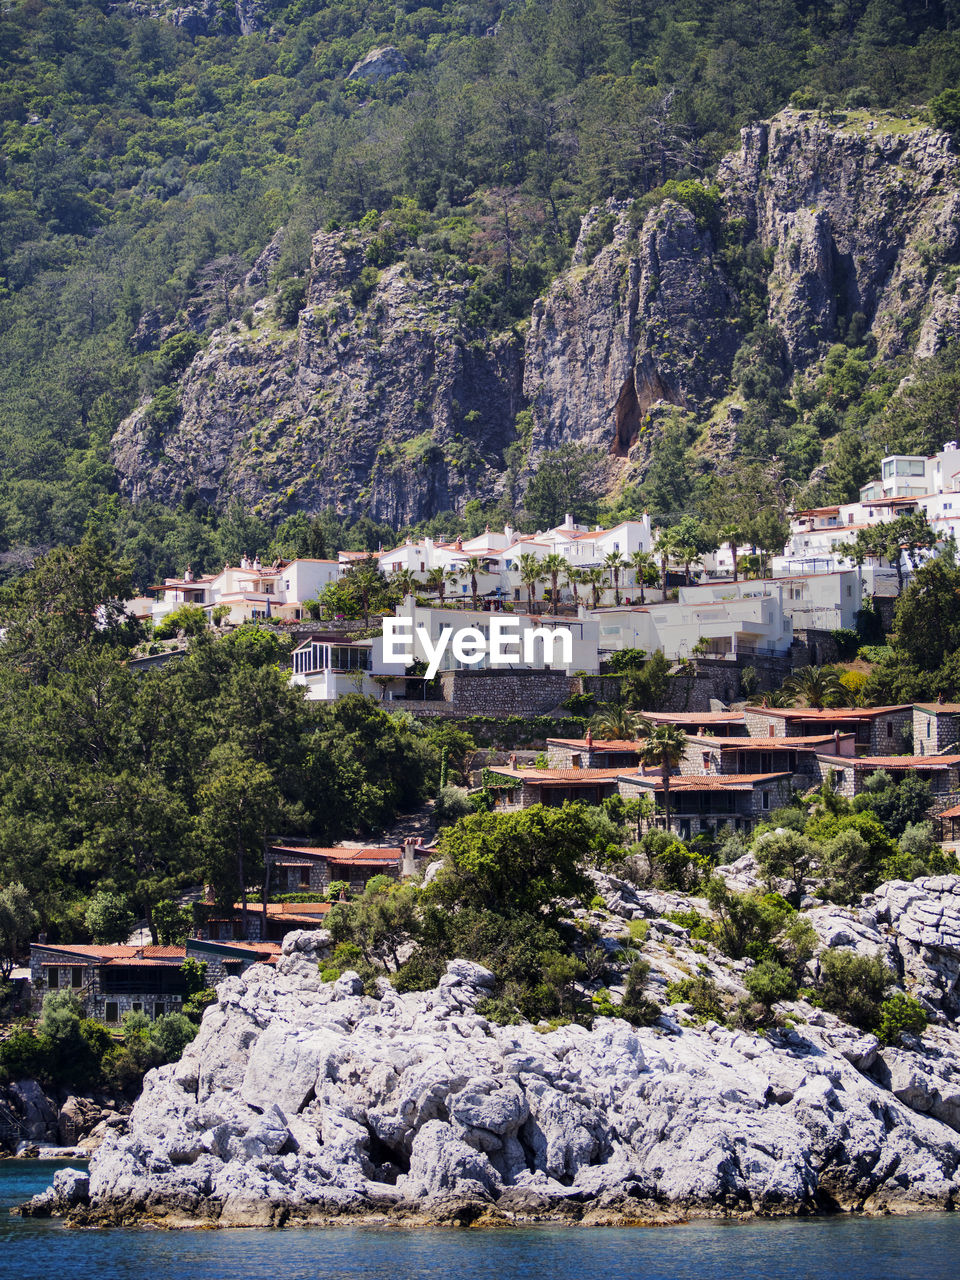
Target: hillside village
[747, 721]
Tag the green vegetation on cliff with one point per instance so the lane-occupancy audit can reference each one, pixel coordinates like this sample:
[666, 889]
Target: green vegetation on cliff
[144, 167]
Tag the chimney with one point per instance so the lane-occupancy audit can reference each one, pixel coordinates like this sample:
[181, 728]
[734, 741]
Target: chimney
[408, 866]
[836, 742]
[513, 759]
[589, 739]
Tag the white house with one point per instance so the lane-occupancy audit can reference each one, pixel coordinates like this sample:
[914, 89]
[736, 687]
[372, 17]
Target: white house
[250, 589]
[730, 618]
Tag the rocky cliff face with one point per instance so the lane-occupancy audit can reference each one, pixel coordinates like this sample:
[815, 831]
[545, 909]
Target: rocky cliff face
[391, 404]
[301, 1100]
[385, 403]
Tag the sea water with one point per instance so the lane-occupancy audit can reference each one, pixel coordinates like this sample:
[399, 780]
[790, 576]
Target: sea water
[924, 1247]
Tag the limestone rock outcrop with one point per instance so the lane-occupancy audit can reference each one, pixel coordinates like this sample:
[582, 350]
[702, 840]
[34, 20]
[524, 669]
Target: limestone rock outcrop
[387, 398]
[387, 402]
[302, 1099]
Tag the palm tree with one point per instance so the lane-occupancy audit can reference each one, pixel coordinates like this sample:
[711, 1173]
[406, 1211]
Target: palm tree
[819, 687]
[530, 575]
[438, 580]
[663, 744]
[616, 724]
[665, 551]
[734, 536]
[406, 581]
[615, 562]
[642, 563]
[553, 565]
[574, 578]
[470, 569]
[593, 578]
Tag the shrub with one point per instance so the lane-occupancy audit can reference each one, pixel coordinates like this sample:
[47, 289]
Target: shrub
[452, 804]
[289, 304]
[768, 983]
[635, 1007]
[853, 987]
[701, 994]
[171, 1033]
[899, 1015]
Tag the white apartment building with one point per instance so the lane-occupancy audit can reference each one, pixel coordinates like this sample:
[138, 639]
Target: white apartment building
[908, 482]
[730, 618]
[250, 589]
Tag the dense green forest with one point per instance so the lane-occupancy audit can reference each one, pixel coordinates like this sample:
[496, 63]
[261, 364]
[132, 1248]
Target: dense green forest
[139, 784]
[143, 170]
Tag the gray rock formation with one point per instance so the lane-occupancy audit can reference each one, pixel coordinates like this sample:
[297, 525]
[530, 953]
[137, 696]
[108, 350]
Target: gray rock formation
[379, 64]
[301, 1100]
[387, 401]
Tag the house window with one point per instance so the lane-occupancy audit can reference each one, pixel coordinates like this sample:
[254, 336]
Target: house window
[76, 976]
[889, 729]
[305, 877]
[137, 1006]
[159, 1009]
[929, 726]
[53, 978]
[765, 800]
[111, 1011]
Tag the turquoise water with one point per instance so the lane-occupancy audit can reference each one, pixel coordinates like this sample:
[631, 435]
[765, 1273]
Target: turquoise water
[919, 1248]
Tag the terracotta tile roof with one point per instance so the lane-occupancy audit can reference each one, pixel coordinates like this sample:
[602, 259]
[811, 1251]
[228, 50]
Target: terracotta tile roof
[828, 713]
[810, 743]
[276, 909]
[340, 853]
[695, 717]
[951, 708]
[708, 782]
[115, 951]
[598, 744]
[950, 813]
[895, 762]
[546, 777]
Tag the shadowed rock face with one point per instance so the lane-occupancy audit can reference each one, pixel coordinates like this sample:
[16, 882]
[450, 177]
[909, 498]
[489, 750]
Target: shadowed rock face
[301, 1099]
[384, 400]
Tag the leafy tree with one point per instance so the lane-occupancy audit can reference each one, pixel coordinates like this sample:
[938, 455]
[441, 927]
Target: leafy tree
[17, 922]
[518, 862]
[854, 986]
[239, 805]
[788, 855]
[768, 983]
[109, 918]
[567, 479]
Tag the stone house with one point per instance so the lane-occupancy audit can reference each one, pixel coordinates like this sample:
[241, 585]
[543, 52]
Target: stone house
[849, 775]
[936, 725]
[796, 756]
[228, 959]
[711, 803]
[592, 753]
[557, 786]
[295, 868]
[264, 924]
[878, 731]
[721, 724]
[110, 981]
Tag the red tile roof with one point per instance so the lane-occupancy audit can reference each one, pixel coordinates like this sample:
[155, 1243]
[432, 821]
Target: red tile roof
[828, 713]
[598, 744]
[546, 777]
[810, 743]
[119, 952]
[340, 853]
[895, 762]
[951, 708]
[950, 813]
[710, 781]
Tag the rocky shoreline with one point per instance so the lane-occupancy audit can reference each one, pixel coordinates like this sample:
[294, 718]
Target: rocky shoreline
[303, 1101]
